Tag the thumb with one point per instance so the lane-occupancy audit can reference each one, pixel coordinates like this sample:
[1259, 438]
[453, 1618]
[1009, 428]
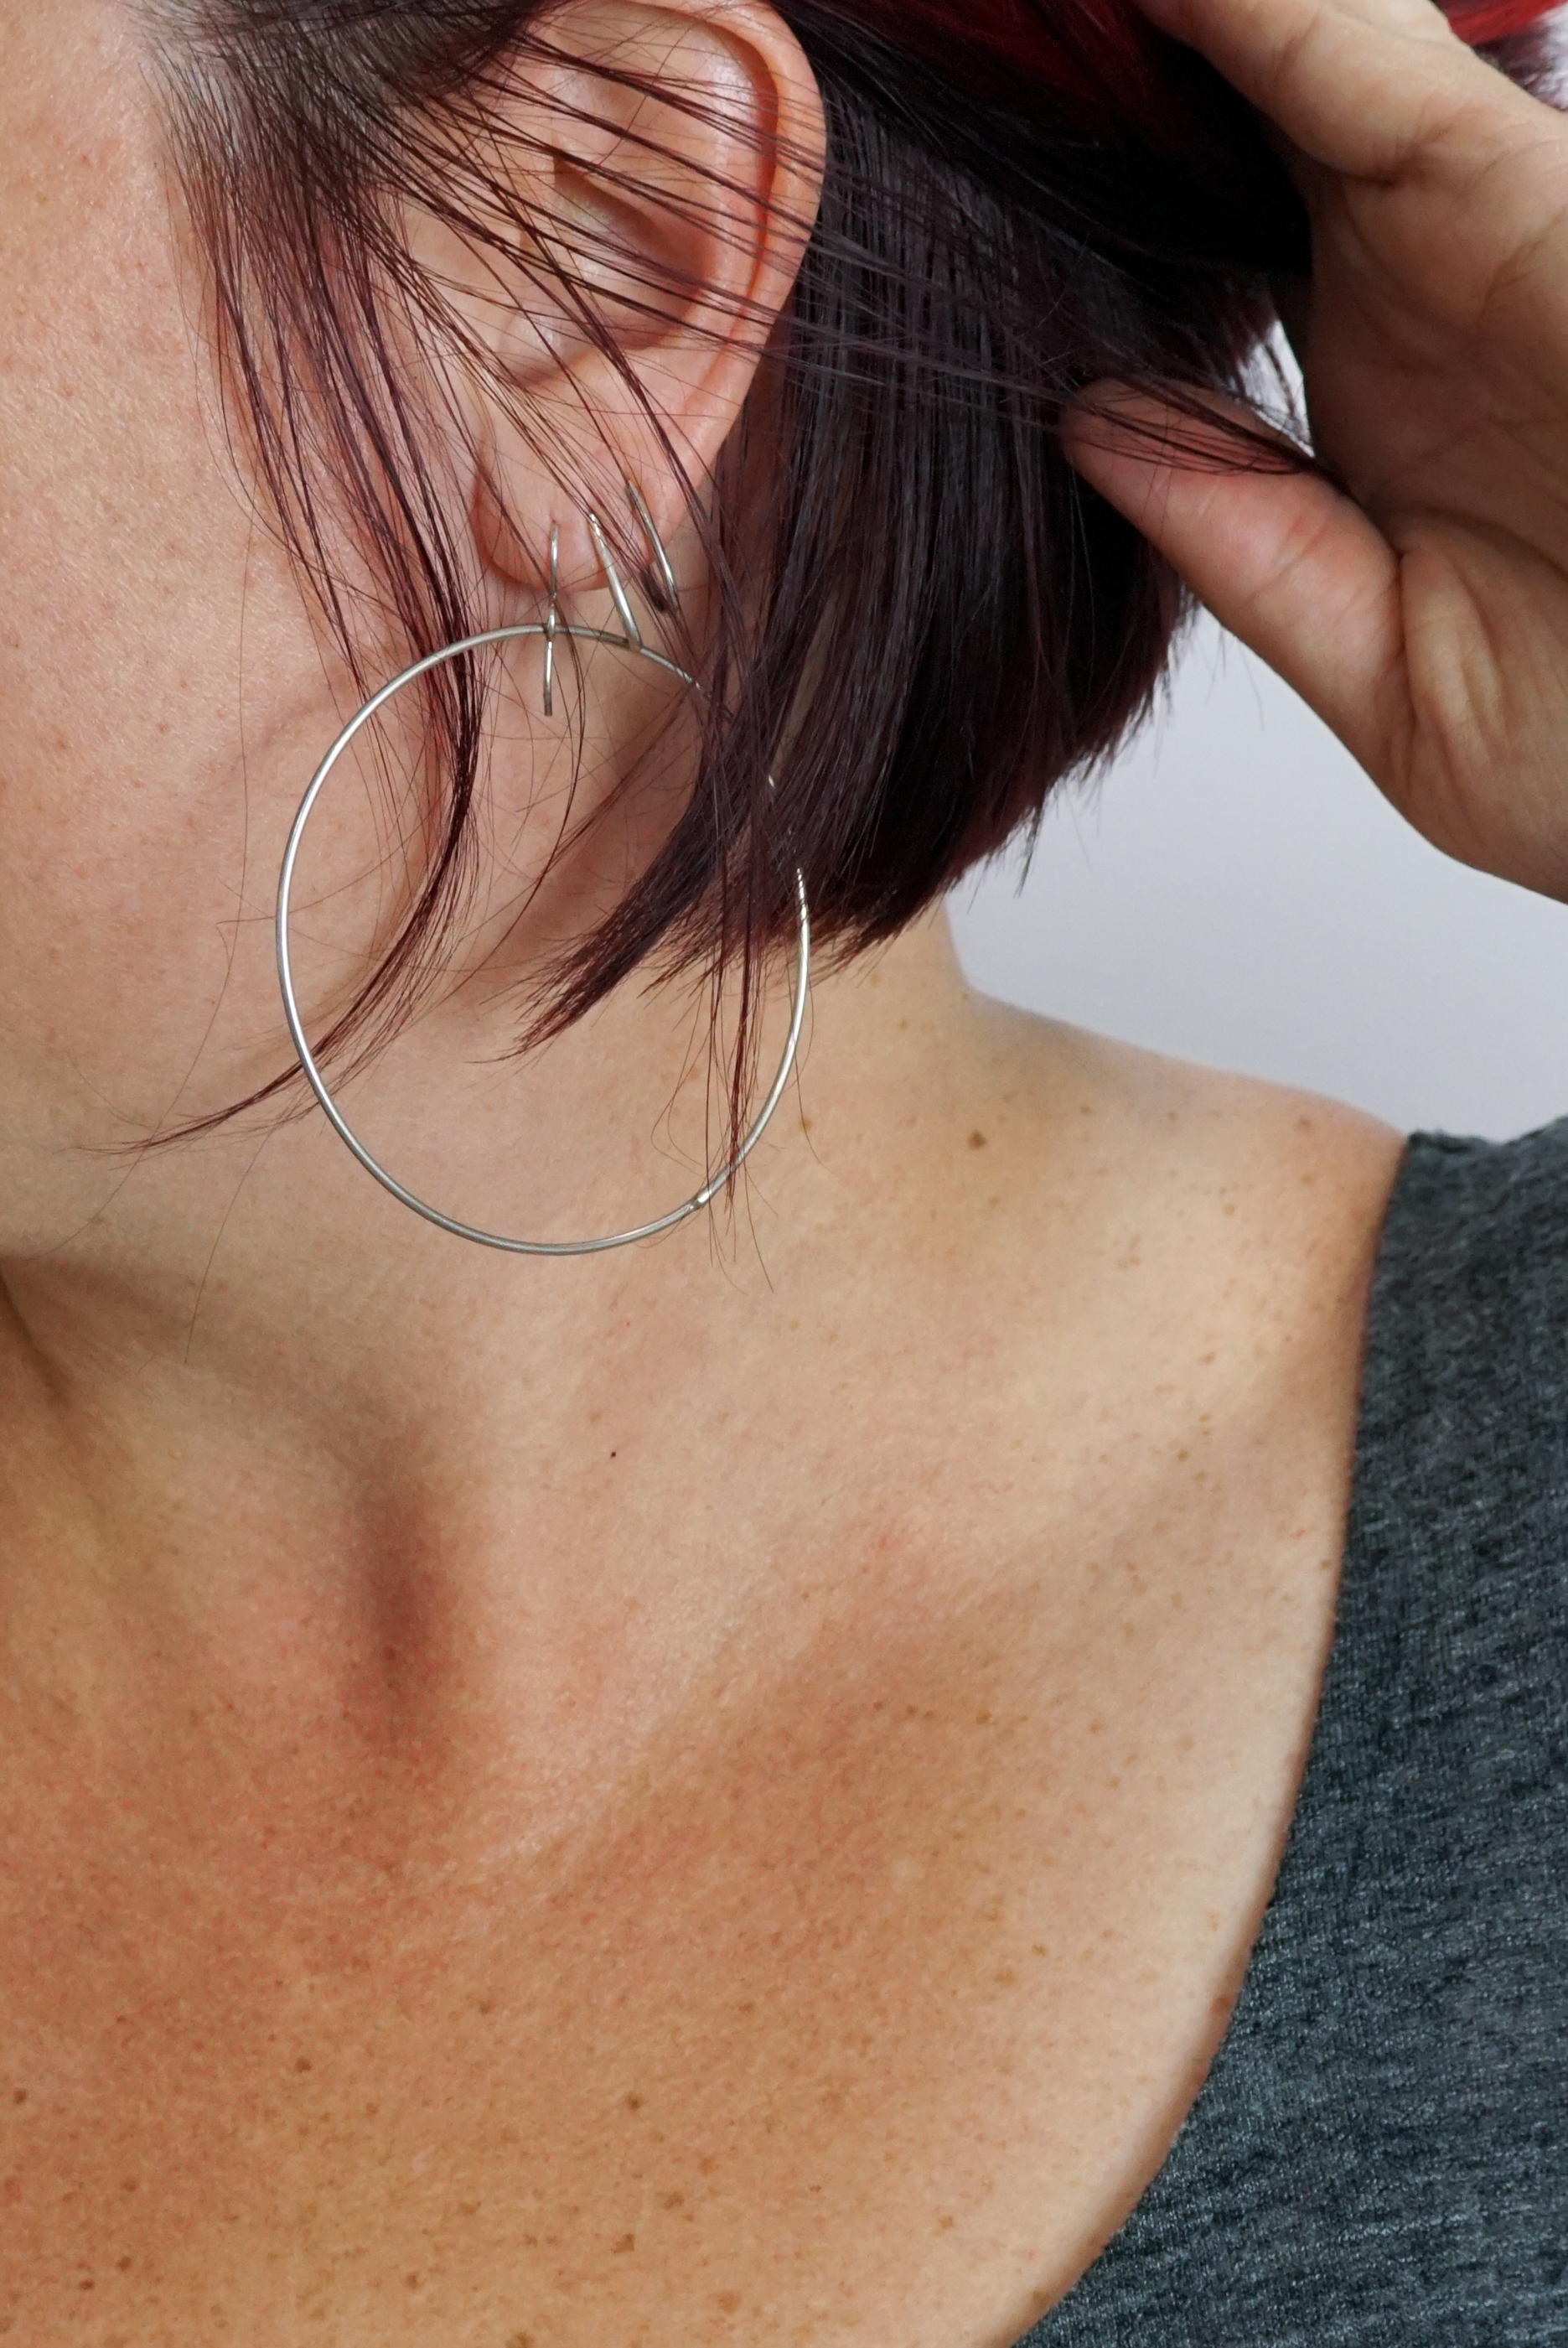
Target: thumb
[1281, 558]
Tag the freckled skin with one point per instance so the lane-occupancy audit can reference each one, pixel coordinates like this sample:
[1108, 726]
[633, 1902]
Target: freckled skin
[869, 1998]
[701, 1802]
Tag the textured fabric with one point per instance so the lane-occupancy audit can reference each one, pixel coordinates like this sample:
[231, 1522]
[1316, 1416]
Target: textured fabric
[1379, 2154]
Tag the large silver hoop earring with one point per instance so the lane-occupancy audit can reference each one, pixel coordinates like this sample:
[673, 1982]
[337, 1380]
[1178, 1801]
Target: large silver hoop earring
[549, 629]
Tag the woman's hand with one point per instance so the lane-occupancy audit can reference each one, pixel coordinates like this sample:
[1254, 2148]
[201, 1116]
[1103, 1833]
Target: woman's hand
[1425, 615]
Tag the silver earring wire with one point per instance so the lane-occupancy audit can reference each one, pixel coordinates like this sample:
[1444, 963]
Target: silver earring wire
[548, 629]
[617, 584]
[552, 623]
[668, 598]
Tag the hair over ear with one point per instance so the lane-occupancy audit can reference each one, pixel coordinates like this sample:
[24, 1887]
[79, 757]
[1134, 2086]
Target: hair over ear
[932, 620]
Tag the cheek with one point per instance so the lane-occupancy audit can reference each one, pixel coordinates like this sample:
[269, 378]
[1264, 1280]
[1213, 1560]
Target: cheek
[162, 698]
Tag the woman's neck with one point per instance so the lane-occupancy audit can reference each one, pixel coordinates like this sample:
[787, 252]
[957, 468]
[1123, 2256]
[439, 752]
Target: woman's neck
[251, 1360]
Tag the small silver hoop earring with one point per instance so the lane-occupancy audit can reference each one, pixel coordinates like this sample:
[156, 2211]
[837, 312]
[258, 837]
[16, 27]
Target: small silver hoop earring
[659, 579]
[552, 626]
[552, 623]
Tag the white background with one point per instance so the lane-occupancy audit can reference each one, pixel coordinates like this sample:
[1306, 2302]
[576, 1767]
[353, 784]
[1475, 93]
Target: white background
[1235, 892]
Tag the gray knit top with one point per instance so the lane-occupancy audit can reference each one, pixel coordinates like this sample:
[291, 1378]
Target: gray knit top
[1379, 2157]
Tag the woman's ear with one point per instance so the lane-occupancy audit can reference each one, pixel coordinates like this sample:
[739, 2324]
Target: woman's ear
[662, 166]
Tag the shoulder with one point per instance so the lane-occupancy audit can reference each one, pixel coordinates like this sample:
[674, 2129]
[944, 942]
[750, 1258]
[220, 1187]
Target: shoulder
[1194, 1252]
[1432, 1271]
[1230, 1178]
[1474, 1232]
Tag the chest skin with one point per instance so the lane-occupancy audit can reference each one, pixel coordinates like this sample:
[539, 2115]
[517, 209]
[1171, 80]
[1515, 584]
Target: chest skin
[857, 1998]
[867, 2003]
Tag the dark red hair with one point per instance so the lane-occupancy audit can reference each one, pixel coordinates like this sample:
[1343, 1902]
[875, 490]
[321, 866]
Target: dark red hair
[1102, 56]
[1480, 22]
[1022, 196]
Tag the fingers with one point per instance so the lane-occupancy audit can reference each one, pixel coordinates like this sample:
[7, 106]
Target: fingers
[1295, 570]
[1361, 86]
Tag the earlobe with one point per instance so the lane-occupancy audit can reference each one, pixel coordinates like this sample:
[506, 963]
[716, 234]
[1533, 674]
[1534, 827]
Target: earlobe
[670, 162]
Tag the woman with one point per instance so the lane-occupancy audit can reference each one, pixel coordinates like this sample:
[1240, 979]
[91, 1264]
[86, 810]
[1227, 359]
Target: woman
[840, 1774]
